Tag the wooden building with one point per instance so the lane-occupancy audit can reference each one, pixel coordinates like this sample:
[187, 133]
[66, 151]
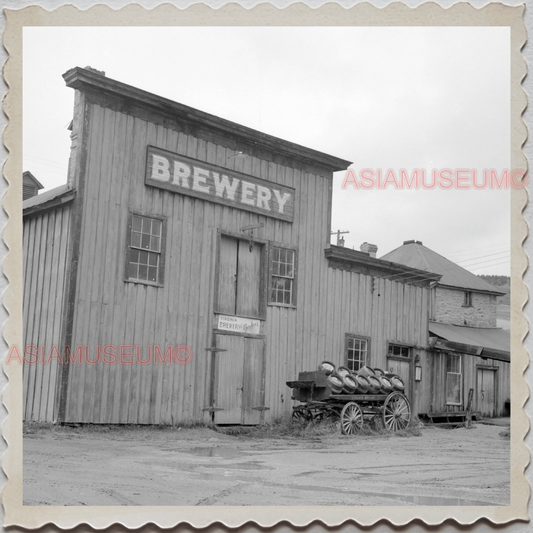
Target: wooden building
[468, 350]
[184, 271]
[30, 185]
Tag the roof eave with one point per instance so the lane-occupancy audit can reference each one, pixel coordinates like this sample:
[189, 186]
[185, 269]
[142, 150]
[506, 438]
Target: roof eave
[470, 289]
[80, 79]
[339, 254]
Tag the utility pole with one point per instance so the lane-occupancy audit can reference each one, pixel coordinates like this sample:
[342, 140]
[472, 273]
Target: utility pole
[340, 240]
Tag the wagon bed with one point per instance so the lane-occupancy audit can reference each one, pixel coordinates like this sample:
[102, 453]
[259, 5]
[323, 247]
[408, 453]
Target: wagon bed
[318, 401]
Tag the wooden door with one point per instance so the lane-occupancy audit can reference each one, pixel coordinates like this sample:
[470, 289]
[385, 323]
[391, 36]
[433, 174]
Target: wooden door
[239, 380]
[240, 285]
[485, 392]
[402, 369]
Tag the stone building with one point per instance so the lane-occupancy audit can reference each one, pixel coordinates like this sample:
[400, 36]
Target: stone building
[469, 351]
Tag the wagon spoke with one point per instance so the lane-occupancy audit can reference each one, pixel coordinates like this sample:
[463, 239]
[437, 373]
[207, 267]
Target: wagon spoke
[396, 412]
[351, 419]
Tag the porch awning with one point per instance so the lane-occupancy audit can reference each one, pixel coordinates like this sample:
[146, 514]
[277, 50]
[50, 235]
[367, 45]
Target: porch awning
[493, 343]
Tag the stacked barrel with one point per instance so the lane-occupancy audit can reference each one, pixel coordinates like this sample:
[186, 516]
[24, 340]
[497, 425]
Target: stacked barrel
[366, 380]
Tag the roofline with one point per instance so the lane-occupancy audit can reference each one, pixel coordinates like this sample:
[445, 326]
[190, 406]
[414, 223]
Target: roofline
[445, 345]
[39, 184]
[83, 79]
[355, 257]
[51, 199]
[495, 292]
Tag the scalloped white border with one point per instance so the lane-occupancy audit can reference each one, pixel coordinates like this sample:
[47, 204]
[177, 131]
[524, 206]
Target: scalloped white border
[296, 14]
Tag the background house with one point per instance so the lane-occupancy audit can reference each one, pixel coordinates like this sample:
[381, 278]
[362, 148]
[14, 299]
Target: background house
[30, 185]
[468, 350]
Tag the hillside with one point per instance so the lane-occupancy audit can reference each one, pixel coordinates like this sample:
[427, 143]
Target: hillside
[503, 283]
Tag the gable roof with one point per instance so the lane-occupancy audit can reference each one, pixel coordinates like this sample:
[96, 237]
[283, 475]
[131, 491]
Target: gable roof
[48, 200]
[416, 255]
[28, 177]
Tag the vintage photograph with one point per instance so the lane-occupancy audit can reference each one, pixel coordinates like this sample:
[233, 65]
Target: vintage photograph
[267, 266]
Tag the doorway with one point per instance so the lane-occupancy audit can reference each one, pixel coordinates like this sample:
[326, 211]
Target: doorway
[486, 391]
[403, 370]
[240, 278]
[239, 370]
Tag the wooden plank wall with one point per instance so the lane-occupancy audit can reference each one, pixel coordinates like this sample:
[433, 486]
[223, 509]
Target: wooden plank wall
[393, 312]
[437, 390]
[44, 266]
[112, 312]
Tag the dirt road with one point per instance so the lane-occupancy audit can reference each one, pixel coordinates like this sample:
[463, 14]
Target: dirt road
[204, 467]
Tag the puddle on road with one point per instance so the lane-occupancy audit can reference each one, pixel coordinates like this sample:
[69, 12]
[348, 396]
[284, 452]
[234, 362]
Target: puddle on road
[226, 453]
[410, 498]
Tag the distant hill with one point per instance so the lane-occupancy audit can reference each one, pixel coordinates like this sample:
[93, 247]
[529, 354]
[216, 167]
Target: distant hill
[503, 283]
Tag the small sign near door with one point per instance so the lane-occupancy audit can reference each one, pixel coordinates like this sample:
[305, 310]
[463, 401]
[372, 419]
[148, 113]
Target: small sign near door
[239, 324]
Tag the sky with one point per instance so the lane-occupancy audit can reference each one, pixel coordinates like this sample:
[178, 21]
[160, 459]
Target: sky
[383, 98]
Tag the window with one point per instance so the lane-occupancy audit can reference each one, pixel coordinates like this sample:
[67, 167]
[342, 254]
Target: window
[356, 352]
[282, 276]
[468, 299]
[397, 350]
[453, 379]
[145, 244]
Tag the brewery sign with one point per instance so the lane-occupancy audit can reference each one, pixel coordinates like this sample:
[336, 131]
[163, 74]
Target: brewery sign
[184, 175]
[239, 324]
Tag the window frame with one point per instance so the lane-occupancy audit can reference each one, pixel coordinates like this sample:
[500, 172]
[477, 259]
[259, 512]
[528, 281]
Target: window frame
[347, 338]
[271, 275]
[400, 357]
[468, 299]
[162, 252]
[460, 374]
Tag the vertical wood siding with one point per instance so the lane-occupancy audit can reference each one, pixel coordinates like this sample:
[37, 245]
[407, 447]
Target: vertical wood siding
[44, 266]
[114, 313]
[435, 397]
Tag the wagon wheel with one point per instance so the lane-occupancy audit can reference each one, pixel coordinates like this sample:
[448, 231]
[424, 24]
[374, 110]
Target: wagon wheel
[301, 415]
[396, 412]
[351, 419]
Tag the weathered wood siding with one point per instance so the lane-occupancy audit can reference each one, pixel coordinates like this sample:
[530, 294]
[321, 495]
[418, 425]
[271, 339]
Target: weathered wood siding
[336, 302]
[44, 266]
[435, 394]
[110, 311]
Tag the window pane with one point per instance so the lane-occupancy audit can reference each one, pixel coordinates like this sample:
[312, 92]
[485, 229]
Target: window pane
[290, 270]
[156, 241]
[287, 298]
[136, 239]
[143, 258]
[134, 256]
[143, 272]
[136, 223]
[156, 227]
[147, 225]
[152, 274]
[145, 241]
[152, 259]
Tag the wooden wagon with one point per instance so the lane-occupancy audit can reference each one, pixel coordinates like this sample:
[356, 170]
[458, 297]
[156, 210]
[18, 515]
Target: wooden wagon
[319, 401]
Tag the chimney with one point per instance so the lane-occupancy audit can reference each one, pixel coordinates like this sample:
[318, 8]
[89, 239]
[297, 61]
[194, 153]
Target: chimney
[370, 249]
[101, 72]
